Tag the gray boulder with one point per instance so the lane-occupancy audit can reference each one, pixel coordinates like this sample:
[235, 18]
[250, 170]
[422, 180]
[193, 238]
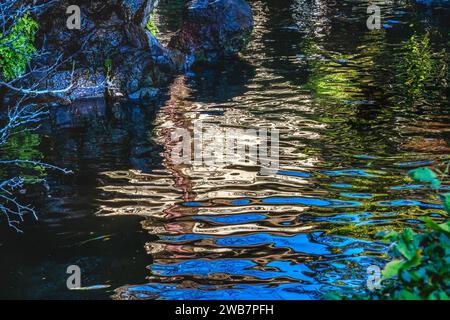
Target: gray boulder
[213, 29]
[115, 54]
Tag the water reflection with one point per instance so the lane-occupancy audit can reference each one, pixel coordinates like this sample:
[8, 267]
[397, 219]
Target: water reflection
[355, 113]
[355, 108]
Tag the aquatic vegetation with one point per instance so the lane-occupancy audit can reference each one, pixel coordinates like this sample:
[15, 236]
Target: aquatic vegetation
[416, 67]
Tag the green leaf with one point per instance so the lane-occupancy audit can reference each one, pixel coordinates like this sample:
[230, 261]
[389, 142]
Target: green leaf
[445, 198]
[408, 235]
[422, 175]
[387, 236]
[436, 183]
[392, 268]
[443, 296]
[406, 295]
[408, 253]
[152, 27]
[414, 261]
[443, 227]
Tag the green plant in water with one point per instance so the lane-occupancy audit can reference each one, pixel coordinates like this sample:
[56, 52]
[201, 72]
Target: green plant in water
[17, 47]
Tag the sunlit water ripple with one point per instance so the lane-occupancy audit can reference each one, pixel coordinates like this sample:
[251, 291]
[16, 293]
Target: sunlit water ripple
[350, 128]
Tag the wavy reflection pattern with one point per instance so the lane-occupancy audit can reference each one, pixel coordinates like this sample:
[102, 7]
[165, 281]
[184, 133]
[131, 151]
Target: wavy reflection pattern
[348, 133]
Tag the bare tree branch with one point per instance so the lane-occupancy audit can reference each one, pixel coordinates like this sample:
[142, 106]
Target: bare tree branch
[23, 115]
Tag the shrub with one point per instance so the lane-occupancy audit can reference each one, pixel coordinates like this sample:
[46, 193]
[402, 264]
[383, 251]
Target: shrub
[17, 47]
[421, 265]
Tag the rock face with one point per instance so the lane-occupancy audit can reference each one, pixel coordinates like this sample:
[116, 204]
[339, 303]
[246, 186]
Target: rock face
[111, 31]
[105, 25]
[115, 54]
[213, 29]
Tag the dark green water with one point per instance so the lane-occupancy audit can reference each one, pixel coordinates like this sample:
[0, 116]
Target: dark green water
[356, 110]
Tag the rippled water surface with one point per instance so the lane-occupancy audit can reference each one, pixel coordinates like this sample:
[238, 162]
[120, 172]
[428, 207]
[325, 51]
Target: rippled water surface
[356, 110]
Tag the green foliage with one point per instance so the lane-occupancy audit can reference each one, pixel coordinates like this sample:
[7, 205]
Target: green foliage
[17, 48]
[420, 269]
[429, 176]
[108, 64]
[445, 198]
[423, 175]
[152, 27]
[421, 264]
